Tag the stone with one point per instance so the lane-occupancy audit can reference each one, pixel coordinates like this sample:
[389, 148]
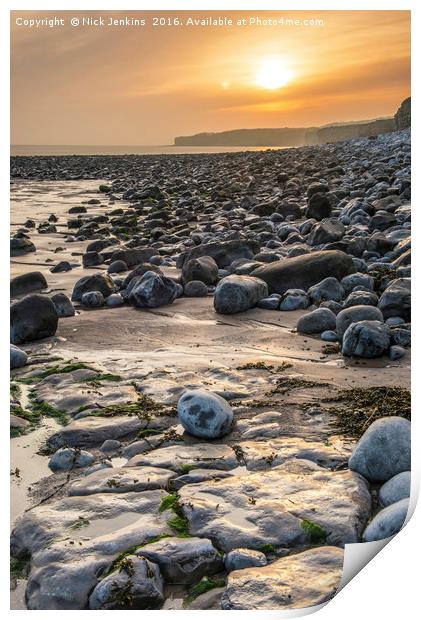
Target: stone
[366, 339]
[117, 266]
[238, 294]
[254, 509]
[326, 231]
[132, 256]
[203, 268]
[387, 522]
[355, 314]
[32, 318]
[66, 459]
[223, 252]
[395, 489]
[27, 283]
[244, 558]
[61, 267]
[318, 206]
[316, 321]
[178, 457]
[329, 336]
[20, 246]
[154, 290]
[93, 299]
[92, 259]
[183, 560]
[138, 586]
[204, 414]
[122, 480]
[294, 299]
[98, 282]
[297, 581]
[401, 337]
[139, 271]
[301, 272]
[384, 450]
[361, 298]
[357, 279]
[18, 358]
[396, 353]
[195, 288]
[110, 445]
[270, 303]
[328, 289]
[63, 305]
[115, 299]
[396, 299]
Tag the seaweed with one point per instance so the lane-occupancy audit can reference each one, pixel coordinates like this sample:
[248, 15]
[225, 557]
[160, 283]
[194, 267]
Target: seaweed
[204, 585]
[264, 366]
[316, 533]
[178, 522]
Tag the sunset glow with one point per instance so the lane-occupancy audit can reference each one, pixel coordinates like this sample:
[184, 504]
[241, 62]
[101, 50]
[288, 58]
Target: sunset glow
[273, 73]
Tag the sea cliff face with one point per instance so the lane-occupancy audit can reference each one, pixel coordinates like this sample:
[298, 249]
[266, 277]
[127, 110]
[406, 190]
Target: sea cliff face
[300, 136]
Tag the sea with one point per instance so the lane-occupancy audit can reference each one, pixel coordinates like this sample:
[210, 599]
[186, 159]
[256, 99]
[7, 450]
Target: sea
[127, 149]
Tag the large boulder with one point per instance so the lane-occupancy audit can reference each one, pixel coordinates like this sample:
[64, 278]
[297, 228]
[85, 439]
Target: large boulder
[366, 339]
[98, 282]
[304, 271]
[154, 290]
[355, 314]
[223, 252]
[32, 318]
[384, 450]
[387, 522]
[137, 585]
[27, 283]
[204, 414]
[396, 299]
[302, 580]
[183, 560]
[203, 268]
[238, 293]
[316, 322]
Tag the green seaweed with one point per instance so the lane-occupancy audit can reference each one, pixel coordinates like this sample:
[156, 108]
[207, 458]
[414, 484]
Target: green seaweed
[204, 585]
[43, 408]
[316, 533]
[179, 522]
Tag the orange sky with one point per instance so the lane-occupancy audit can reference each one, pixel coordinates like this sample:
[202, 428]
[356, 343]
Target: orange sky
[115, 85]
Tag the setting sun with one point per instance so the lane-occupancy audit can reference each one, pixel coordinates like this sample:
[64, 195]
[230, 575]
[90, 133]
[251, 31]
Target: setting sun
[273, 73]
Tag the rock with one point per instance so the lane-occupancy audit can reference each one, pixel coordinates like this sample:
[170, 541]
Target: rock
[18, 358]
[117, 266]
[396, 353]
[140, 271]
[223, 252]
[318, 206]
[204, 414]
[361, 298]
[238, 293]
[98, 282]
[138, 585]
[396, 299]
[254, 509]
[203, 268]
[270, 303]
[27, 283]
[93, 299]
[403, 115]
[366, 339]
[63, 305]
[298, 581]
[195, 288]
[122, 480]
[357, 279]
[132, 256]
[328, 289]
[61, 266]
[395, 489]
[110, 445]
[304, 271]
[387, 522]
[384, 450]
[316, 321]
[32, 318]
[66, 459]
[294, 299]
[115, 299]
[92, 259]
[154, 290]
[18, 423]
[198, 475]
[355, 314]
[401, 337]
[20, 246]
[208, 600]
[329, 336]
[178, 457]
[326, 231]
[183, 560]
[244, 558]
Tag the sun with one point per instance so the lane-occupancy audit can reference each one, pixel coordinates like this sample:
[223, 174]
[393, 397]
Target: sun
[273, 73]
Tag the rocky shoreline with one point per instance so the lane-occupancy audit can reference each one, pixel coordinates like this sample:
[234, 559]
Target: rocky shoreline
[223, 343]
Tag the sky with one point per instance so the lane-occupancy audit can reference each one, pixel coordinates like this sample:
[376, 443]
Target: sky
[122, 85]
